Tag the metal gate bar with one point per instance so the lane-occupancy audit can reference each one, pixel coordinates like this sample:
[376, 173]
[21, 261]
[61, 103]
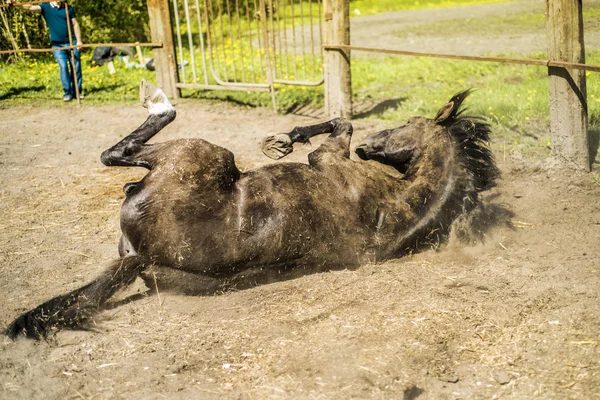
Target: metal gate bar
[190, 39]
[179, 44]
[201, 39]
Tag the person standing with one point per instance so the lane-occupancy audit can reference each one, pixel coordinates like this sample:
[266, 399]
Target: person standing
[54, 14]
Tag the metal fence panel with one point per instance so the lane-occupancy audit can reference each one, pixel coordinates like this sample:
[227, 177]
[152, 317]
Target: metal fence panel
[248, 44]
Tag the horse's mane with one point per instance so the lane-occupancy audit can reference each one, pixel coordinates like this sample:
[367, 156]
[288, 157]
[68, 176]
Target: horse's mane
[471, 137]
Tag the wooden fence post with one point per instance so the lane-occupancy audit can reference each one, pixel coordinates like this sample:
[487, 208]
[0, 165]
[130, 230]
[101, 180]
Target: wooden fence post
[568, 97]
[165, 61]
[338, 81]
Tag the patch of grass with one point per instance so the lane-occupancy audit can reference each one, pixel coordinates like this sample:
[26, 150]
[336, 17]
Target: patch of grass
[36, 81]
[494, 25]
[288, 97]
[484, 26]
[513, 98]
[502, 90]
[368, 7]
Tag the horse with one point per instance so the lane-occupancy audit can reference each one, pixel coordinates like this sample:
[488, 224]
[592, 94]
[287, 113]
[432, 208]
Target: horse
[196, 219]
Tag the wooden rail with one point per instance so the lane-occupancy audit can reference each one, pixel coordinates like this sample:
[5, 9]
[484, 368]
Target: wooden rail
[28, 3]
[509, 60]
[153, 45]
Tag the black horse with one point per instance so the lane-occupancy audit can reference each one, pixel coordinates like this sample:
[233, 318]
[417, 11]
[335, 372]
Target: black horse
[195, 219]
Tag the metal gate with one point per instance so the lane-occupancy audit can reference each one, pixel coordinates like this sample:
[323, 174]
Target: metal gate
[249, 45]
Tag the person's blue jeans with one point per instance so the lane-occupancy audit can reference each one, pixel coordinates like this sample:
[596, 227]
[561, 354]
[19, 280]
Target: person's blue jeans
[63, 57]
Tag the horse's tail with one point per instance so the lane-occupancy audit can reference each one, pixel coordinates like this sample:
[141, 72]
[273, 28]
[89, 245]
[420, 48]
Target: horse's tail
[74, 309]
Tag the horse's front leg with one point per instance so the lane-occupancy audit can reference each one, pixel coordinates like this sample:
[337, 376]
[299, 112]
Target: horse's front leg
[132, 150]
[280, 145]
[335, 148]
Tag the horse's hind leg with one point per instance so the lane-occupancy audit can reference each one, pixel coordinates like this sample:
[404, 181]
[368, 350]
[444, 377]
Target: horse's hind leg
[280, 145]
[132, 150]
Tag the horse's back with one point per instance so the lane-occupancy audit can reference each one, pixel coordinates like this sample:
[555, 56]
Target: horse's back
[193, 161]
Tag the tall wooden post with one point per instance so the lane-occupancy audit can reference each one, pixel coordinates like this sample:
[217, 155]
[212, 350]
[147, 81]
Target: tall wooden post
[338, 81]
[164, 58]
[568, 97]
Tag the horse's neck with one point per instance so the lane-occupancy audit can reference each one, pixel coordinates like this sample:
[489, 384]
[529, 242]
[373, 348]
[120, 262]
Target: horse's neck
[435, 177]
[435, 196]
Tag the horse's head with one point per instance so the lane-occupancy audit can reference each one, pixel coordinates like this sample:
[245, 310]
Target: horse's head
[402, 147]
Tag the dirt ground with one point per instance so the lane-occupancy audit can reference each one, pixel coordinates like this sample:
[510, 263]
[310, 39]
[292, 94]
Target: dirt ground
[514, 317]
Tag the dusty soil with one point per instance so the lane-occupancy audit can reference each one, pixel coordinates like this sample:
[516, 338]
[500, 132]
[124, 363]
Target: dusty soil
[516, 316]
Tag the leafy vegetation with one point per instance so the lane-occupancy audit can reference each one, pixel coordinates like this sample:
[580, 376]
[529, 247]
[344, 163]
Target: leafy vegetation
[101, 22]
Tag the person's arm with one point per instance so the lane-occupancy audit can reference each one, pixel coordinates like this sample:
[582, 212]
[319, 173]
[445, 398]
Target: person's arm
[77, 31]
[26, 7]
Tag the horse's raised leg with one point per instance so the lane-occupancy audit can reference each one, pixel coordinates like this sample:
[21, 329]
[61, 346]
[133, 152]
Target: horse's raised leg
[280, 145]
[335, 149]
[132, 150]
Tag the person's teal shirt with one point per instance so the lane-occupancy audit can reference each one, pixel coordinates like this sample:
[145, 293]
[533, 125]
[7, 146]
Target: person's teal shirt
[57, 24]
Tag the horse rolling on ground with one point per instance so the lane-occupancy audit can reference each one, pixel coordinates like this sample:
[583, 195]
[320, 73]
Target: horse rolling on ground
[195, 219]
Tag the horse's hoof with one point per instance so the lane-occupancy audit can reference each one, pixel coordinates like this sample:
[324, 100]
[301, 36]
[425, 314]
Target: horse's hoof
[277, 146]
[153, 98]
[146, 88]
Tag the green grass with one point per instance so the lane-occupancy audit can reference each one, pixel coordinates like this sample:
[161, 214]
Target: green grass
[367, 7]
[484, 26]
[422, 84]
[35, 81]
[495, 25]
[513, 98]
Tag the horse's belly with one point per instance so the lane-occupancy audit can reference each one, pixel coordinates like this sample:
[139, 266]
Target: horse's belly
[178, 230]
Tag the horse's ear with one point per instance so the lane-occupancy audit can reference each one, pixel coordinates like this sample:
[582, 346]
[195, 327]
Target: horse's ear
[445, 112]
[452, 109]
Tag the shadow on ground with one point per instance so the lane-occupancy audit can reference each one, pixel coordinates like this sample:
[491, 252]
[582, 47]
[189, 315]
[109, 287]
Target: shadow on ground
[15, 92]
